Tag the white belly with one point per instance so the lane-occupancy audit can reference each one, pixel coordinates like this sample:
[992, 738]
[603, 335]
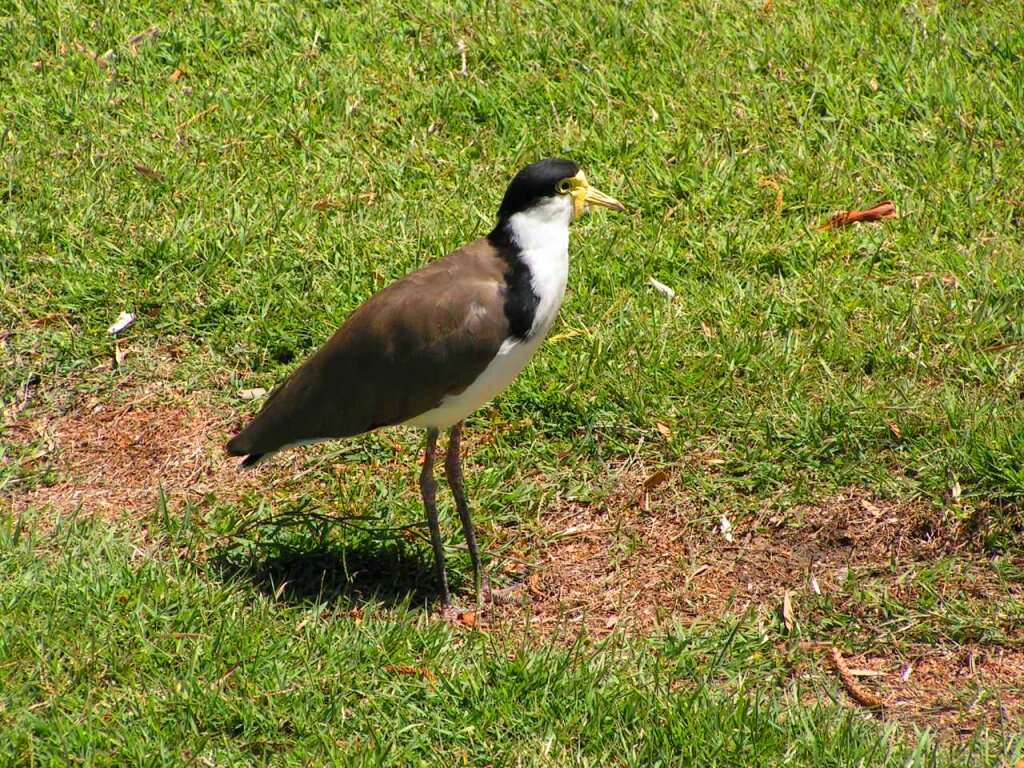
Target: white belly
[499, 373]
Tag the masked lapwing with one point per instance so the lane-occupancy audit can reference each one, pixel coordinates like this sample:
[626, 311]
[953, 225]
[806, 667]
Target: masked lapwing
[430, 349]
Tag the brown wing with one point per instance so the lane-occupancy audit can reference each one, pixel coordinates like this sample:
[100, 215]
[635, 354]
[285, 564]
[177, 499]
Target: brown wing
[424, 337]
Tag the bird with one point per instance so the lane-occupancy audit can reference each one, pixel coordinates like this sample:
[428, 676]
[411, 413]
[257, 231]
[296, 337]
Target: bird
[439, 343]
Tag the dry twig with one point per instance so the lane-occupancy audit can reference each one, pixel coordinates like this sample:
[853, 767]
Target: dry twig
[857, 692]
[883, 210]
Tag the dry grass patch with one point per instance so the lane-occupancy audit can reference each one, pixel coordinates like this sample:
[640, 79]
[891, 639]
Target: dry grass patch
[953, 690]
[110, 456]
[650, 555]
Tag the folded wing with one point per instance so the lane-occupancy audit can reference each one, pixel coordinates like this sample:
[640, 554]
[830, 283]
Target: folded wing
[399, 355]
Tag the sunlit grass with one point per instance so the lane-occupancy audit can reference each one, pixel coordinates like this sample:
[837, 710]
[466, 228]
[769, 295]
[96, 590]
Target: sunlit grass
[312, 153]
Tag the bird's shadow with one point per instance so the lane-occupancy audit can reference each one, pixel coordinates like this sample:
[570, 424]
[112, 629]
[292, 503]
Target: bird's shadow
[305, 557]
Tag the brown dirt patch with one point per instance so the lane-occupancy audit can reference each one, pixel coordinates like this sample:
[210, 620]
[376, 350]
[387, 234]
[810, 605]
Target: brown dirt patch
[648, 556]
[111, 459]
[955, 690]
[959, 689]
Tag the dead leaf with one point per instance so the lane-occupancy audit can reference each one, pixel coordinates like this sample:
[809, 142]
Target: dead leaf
[197, 117]
[120, 355]
[467, 618]
[610, 622]
[137, 41]
[227, 675]
[176, 75]
[38, 65]
[870, 508]
[815, 587]
[955, 490]
[867, 672]
[463, 72]
[772, 184]
[407, 669]
[699, 570]
[895, 429]
[147, 172]
[573, 530]
[883, 210]
[768, 5]
[533, 585]
[707, 330]
[725, 528]
[664, 430]
[656, 479]
[252, 394]
[788, 617]
[124, 321]
[327, 203]
[101, 61]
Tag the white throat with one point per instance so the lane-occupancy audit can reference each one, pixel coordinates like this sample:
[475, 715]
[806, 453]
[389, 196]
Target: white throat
[542, 235]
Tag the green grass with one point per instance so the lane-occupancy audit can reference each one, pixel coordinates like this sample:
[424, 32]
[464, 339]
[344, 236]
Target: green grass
[118, 659]
[819, 341]
[887, 357]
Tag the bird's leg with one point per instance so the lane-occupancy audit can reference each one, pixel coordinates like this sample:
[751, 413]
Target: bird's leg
[428, 488]
[453, 471]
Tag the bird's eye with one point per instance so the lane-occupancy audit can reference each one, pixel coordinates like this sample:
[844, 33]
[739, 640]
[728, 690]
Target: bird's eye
[563, 186]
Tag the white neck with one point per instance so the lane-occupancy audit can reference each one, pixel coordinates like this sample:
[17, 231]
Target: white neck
[542, 234]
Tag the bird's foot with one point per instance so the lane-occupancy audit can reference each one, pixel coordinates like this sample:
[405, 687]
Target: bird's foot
[487, 598]
[476, 614]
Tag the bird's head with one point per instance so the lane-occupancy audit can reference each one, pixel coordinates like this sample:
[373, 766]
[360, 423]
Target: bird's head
[554, 189]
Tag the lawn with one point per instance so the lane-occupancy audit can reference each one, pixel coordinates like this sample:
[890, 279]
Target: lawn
[817, 443]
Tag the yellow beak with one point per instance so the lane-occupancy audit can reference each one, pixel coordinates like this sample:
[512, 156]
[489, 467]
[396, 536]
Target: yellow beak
[584, 195]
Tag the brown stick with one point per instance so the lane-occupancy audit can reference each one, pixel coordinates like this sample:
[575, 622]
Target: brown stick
[857, 692]
[883, 210]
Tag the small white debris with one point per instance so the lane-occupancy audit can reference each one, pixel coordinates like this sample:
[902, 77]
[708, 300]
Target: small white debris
[124, 321]
[815, 587]
[867, 672]
[661, 288]
[252, 394]
[726, 528]
[907, 670]
[788, 617]
[955, 490]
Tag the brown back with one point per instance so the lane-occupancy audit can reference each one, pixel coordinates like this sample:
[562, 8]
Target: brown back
[398, 355]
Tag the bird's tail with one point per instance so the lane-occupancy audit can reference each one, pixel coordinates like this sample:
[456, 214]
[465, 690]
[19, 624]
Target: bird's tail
[252, 460]
[239, 445]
